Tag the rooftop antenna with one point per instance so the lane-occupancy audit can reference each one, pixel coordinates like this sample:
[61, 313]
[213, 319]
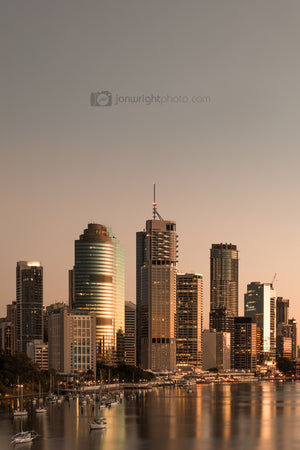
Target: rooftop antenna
[154, 204]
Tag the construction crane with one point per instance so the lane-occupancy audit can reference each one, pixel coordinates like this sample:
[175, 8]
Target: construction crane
[273, 280]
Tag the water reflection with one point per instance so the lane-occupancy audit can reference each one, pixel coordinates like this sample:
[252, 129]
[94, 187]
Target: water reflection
[216, 416]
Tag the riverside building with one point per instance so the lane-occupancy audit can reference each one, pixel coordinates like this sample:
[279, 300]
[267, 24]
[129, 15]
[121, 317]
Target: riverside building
[29, 302]
[224, 278]
[98, 287]
[260, 302]
[189, 319]
[156, 293]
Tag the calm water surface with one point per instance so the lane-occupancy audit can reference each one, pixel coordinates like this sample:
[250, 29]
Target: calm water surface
[234, 416]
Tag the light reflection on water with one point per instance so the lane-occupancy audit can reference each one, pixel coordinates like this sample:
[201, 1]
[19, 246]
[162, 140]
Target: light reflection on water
[249, 416]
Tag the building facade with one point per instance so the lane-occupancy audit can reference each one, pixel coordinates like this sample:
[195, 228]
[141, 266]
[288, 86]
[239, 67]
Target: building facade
[216, 351]
[189, 317]
[130, 333]
[98, 284]
[156, 294]
[244, 343]
[37, 350]
[224, 277]
[29, 302]
[72, 341]
[260, 302]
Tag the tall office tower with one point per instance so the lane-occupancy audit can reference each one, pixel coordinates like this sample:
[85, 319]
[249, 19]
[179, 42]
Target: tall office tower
[189, 319]
[99, 287]
[293, 327]
[282, 310]
[224, 265]
[140, 258]
[260, 303]
[29, 303]
[72, 341]
[156, 293]
[244, 342]
[130, 333]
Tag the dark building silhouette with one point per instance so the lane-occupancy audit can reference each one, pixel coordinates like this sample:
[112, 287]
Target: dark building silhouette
[189, 319]
[244, 343]
[29, 300]
[130, 333]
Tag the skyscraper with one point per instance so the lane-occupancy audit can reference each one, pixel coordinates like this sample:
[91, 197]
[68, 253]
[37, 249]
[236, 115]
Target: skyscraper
[224, 277]
[99, 286]
[156, 293]
[189, 319]
[29, 297]
[130, 333]
[244, 342]
[282, 310]
[260, 303]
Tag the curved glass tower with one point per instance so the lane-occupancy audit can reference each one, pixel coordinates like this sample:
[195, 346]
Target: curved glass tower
[99, 286]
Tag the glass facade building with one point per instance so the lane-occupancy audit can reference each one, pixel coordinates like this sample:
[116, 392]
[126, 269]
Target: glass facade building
[260, 302]
[99, 286]
[29, 299]
[224, 277]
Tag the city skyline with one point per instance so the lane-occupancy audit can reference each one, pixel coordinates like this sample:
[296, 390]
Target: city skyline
[206, 298]
[226, 169]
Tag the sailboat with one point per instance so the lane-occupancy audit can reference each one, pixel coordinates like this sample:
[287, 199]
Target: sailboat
[97, 424]
[41, 408]
[20, 412]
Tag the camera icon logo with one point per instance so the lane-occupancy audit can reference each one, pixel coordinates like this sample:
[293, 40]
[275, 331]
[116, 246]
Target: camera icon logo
[103, 98]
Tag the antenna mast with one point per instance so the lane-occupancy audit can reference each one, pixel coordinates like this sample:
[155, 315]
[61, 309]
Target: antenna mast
[154, 204]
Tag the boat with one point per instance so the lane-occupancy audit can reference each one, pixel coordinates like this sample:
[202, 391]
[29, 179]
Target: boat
[98, 424]
[20, 412]
[40, 409]
[23, 437]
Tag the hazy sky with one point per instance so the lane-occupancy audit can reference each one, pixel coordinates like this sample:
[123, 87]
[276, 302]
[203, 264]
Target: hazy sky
[226, 169]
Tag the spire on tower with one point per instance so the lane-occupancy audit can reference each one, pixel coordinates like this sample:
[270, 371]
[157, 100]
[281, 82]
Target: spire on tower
[154, 204]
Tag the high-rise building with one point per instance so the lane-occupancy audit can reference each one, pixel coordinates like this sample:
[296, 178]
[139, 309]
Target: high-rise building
[260, 303]
[216, 351]
[282, 310]
[99, 286]
[189, 319]
[130, 333]
[72, 341]
[293, 327]
[29, 303]
[156, 293]
[244, 343]
[224, 277]
[223, 320]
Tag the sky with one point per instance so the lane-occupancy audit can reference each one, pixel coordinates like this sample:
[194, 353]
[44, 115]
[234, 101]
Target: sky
[220, 136]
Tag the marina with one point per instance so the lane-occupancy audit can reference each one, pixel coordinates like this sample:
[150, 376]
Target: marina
[211, 416]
